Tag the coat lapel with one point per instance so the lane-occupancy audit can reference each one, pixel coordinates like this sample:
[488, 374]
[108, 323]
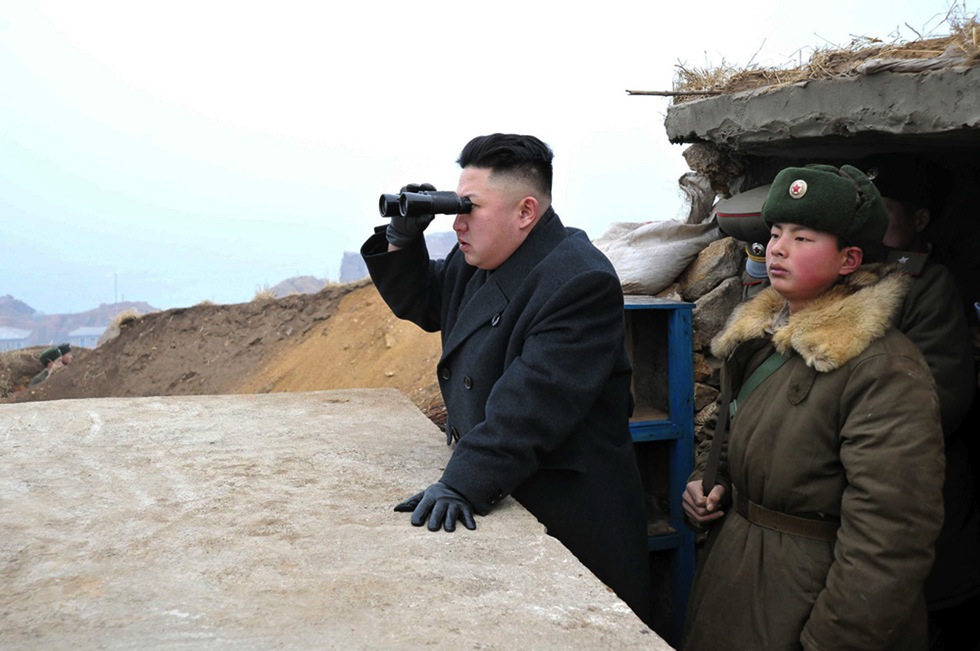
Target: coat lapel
[485, 307]
[487, 302]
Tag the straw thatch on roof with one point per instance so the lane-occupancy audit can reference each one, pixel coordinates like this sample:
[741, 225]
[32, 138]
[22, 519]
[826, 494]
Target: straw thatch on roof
[864, 55]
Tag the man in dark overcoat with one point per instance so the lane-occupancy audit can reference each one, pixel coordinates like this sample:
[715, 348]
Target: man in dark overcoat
[534, 371]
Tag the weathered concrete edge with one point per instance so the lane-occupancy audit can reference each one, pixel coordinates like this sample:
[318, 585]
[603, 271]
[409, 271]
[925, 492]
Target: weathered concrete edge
[932, 103]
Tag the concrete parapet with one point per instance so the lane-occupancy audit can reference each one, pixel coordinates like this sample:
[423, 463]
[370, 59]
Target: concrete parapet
[265, 521]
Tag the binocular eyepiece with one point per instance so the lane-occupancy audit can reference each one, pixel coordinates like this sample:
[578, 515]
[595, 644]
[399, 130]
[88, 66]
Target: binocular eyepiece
[414, 204]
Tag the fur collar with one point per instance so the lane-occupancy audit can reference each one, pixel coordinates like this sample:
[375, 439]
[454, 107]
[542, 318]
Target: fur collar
[833, 329]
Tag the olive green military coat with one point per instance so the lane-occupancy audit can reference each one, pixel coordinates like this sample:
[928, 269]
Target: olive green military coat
[847, 429]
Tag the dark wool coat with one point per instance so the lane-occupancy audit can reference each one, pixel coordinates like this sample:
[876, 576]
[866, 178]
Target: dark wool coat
[848, 428]
[536, 382]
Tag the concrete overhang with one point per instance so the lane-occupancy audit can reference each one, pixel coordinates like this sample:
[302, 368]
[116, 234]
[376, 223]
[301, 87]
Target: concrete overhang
[861, 114]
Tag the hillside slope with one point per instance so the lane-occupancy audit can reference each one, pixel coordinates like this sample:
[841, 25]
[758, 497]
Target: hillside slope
[341, 337]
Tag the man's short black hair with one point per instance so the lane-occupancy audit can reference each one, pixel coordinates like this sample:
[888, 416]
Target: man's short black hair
[523, 156]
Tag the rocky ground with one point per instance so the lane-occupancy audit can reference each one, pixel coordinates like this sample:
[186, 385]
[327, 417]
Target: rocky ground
[342, 337]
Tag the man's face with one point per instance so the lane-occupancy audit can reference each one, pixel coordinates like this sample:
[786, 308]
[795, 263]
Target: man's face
[902, 231]
[497, 226]
[803, 263]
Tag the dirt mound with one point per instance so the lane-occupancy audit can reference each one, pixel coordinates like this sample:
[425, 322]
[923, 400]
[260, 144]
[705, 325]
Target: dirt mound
[341, 337]
[363, 346]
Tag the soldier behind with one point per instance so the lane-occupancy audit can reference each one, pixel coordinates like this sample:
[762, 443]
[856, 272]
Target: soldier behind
[933, 319]
[534, 371]
[740, 217]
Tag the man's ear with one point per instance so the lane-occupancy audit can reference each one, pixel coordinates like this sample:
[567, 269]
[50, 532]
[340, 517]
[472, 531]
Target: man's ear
[853, 257]
[528, 212]
[921, 219]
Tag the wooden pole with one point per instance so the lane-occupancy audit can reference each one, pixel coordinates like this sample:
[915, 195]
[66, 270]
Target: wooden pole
[674, 93]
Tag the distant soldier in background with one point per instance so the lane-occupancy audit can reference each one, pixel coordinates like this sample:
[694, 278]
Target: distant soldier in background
[52, 359]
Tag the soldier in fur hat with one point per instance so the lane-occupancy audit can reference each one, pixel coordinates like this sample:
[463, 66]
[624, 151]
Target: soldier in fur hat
[822, 482]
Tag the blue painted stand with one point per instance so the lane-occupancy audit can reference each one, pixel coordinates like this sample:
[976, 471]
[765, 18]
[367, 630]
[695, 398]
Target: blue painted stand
[660, 333]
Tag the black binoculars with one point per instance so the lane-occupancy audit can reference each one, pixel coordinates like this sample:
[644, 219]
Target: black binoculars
[413, 204]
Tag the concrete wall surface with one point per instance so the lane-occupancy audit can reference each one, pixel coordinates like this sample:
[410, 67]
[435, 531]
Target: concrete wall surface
[266, 522]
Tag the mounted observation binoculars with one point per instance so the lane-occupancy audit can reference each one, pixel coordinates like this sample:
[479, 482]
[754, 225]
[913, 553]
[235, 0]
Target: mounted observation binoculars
[414, 204]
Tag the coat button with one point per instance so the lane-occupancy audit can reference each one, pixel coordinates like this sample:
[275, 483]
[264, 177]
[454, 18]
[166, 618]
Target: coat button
[495, 320]
[468, 382]
[446, 373]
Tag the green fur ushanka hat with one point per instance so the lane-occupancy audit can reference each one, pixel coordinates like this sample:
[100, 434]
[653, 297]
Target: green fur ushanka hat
[840, 201]
[49, 355]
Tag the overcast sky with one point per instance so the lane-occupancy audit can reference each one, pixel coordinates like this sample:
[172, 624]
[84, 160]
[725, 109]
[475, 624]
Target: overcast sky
[181, 151]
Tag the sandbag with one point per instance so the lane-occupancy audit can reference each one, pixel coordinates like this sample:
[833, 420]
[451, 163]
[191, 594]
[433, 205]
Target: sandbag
[649, 256]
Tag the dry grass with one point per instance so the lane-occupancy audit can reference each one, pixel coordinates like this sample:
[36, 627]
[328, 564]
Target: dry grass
[264, 293]
[125, 318]
[963, 36]
[122, 320]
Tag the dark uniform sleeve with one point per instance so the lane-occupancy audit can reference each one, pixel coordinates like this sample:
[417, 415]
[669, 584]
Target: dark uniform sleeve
[932, 318]
[408, 281]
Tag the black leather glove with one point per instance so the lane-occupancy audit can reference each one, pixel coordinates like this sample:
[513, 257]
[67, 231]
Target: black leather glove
[403, 230]
[441, 505]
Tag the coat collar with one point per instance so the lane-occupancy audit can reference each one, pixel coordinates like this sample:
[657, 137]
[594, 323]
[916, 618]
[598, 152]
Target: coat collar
[489, 301]
[544, 237]
[833, 329]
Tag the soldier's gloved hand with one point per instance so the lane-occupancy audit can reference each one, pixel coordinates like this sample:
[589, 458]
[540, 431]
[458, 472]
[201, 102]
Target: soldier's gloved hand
[441, 505]
[403, 230]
